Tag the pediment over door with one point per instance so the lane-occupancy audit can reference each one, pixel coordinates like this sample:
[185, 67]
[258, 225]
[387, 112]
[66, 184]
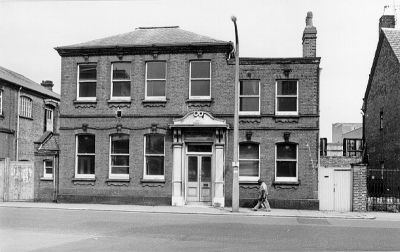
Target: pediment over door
[199, 119]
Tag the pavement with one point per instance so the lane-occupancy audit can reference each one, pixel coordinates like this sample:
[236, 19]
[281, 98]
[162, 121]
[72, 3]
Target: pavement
[207, 210]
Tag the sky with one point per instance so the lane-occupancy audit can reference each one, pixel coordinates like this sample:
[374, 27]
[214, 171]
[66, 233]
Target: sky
[347, 36]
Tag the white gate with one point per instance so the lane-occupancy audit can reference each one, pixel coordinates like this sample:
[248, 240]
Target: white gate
[334, 187]
[16, 180]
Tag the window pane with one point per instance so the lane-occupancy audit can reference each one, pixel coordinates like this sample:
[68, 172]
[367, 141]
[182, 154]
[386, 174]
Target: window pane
[285, 169]
[85, 164]
[205, 169]
[154, 165]
[192, 170]
[248, 168]
[121, 88]
[156, 88]
[200, 88]
[249, 104]
[119, 160]
[248, 151]
[200, 69]
[199, 148]
[286, 151]
[249, 87]
[154, 144]
[48, 163]
[120, 144]
[49, 170]
[287, 87]
[87, 72]
[121, 71]
[120, 170]
[86, 144]
[287, 104]
[155, 70]
[87, 89]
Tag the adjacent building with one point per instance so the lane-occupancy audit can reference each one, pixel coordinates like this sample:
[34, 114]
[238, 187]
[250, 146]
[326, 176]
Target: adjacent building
[146, 117]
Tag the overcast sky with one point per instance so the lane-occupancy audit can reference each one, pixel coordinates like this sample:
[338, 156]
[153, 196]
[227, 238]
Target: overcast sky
[347, 36]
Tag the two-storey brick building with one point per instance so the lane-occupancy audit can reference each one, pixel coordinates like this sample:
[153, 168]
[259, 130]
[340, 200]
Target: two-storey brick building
[146, 118]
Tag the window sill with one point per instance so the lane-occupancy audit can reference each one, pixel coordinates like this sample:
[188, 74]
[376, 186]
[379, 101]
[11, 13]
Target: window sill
[117, 182]
[46, 179]
[85, 103]
[286, 184]
[199, 102]
[84, 181]
[152, 182]
[249, 118]
[154, 103]
[118, 103]
[27, 118]
[287, 118]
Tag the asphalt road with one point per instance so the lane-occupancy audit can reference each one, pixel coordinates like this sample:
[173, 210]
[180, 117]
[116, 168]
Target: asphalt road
[32, 229]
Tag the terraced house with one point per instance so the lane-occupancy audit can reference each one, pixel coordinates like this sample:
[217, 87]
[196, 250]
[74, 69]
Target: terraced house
[146, 118]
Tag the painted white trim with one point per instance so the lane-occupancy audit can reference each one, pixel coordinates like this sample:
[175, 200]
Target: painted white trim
[251, 96]
[110, 174]
[45, 174]
[289, 113]
[287, 179]
[26, 106]
[190, 80]
[155, 177]
[155, 98]
[1, 102]
[86, 154]
[249, 178]
[78, 98]
[123, 98]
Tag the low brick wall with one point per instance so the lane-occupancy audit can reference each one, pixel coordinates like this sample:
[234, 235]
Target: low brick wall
[359, 187]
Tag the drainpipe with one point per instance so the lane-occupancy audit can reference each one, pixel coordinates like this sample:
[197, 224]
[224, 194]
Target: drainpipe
[17, 131]
[56, 177]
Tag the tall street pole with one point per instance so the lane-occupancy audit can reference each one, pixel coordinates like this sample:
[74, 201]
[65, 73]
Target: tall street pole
[235, 163]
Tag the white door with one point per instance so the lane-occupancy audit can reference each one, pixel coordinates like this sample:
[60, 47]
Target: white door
[334, 189]
[326, 189]
[342, 190]
[49, 120]
[199, 179]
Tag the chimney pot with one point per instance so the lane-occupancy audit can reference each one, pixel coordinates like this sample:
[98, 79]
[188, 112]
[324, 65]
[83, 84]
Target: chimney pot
[48, 84]
[309, 38]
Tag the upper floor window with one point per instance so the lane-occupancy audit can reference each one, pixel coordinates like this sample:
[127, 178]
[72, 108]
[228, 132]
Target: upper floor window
[155, 80]
[121, 80]
[1, 101]
[119, 156]
[352, 147]
[49, 120]
[249, 97]
[25, 107]
[200, 80]
[286, 162]
[286, 97]
[48, 166]
[249, 161]
[381, 120]
[154, 156]
[87, 78]
[85, 156]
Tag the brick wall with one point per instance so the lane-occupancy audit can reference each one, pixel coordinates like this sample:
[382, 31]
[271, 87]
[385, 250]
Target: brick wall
[359, 187]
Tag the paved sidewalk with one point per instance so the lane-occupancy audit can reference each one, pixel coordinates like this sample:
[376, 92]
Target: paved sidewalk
[207, 210]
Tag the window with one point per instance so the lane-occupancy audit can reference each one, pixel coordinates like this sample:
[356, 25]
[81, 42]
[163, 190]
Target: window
[249, 97]
[1, 102]
[121, 81]
[25, 107]
[200, 80]
[87, 75]
[249, 162]
[85, 154]
[48, 166]
[155, 80]
[154, 156]
[119, 156]
[381, 120]
[286, 97]
[286, 162]
[48, 119]
[352, 147]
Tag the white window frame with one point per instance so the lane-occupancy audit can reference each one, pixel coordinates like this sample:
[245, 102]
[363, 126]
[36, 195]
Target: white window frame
[287, 179]
[45, 174]
[190, 78]
[152, 177]
[26, 107]
[49, 111]
[156, 98]
[78, 98]
[250, 96]
[1, 102]
[249, 178]
[117, 176]
[124, 98]
[77, 175]
[289, 113]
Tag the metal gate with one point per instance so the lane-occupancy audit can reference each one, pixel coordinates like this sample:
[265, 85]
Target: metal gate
[17, 180]
[335, 189]
[383, 187]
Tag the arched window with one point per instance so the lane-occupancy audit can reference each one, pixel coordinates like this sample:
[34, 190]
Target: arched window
[119, 156]
[85, 156]
[249, 161]
[25, 108]
[154, 156]
[286, 162]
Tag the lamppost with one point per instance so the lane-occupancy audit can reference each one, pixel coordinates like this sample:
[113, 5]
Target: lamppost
[235, 163]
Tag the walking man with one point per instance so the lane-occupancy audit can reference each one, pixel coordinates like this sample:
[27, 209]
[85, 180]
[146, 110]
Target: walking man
[262, 197]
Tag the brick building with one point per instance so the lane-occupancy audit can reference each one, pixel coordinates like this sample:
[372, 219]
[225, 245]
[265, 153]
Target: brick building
[146, 118]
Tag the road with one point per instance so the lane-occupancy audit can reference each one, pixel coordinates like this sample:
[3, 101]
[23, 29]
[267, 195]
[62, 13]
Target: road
[32, 229]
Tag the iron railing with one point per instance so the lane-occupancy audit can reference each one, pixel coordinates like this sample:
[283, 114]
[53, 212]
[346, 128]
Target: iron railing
[383, 190]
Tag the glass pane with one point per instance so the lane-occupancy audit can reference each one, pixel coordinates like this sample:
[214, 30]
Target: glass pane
[120, 170]
[120, 144]
[87, 89]
[86, 144]
[249, 104]
[121, 71]
[85, 164]
[287, 87]
[249, 87]
[248, 151]
[87, 72]
[48, 163]
[285, 169]
[200, 69]
[154, 165]
[192, 169]
[248, 168]
[200, 88]
[119, 160]
[199, 148]
[154, 144]
[155, 70]
[121, 88]
[49, 170]
[286, 151]
[287, 104]
[156, 88]
[206, 169]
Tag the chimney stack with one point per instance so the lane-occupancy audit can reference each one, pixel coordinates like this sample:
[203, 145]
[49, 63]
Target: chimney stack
[309, 38]
[48, 84]
[387, 21]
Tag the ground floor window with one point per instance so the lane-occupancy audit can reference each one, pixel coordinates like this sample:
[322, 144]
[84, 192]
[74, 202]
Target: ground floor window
[286, 162]
[154, 156]
[85, 156]
[119, 156]
[249, 161]
[48, 167]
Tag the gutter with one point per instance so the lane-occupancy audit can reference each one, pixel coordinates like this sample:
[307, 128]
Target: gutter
[17, 130]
